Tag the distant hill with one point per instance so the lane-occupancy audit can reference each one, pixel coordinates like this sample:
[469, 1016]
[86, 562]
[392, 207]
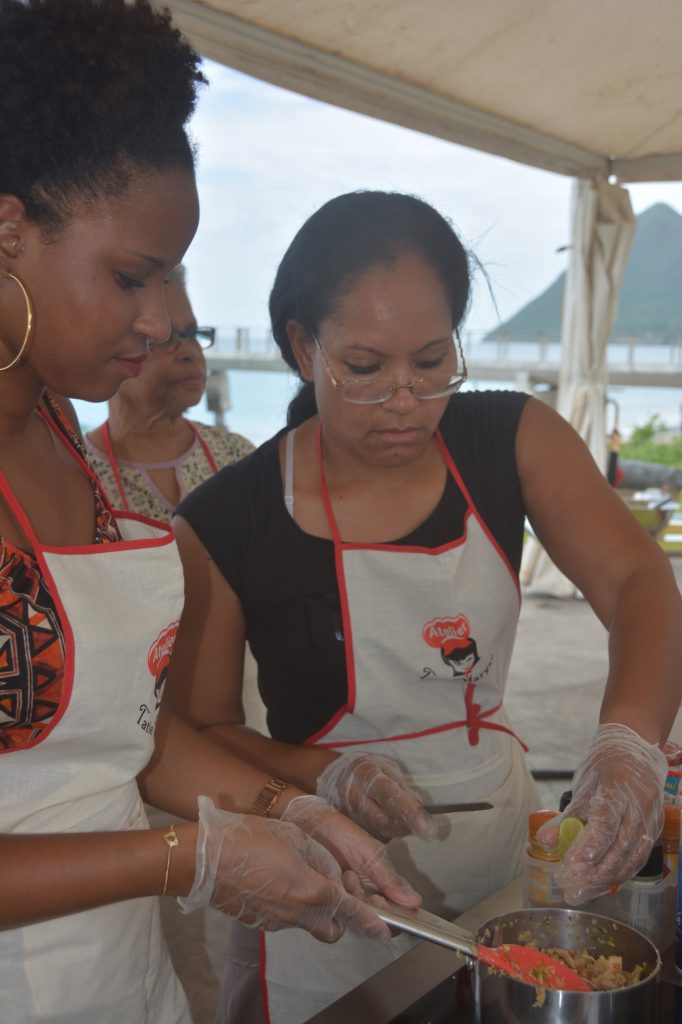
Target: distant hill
[650, 301]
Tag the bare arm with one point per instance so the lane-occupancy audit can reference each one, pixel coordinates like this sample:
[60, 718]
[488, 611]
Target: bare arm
[206, 673]
[59, 874]
[595, 540]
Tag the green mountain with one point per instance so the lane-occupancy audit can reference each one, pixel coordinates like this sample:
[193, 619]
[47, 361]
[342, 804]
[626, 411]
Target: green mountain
[650, 301]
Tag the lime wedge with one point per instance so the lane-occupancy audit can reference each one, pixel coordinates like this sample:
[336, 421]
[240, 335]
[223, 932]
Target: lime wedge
[569, 830]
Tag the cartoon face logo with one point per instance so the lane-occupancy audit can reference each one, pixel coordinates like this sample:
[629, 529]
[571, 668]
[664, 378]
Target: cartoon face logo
[158, 658]
[452, 637]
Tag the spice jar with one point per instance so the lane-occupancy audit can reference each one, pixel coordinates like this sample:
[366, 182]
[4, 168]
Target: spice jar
[539, 867]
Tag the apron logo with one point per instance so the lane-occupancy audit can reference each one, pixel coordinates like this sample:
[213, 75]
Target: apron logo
[452, 637]
[158, 660]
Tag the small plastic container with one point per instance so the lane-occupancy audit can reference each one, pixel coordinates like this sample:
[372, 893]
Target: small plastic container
[644, 902]
[539, 867]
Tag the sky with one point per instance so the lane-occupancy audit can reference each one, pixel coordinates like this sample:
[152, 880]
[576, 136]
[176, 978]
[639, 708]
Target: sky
[268, 158]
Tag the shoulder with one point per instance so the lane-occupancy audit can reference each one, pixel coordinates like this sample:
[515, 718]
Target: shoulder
[239, 483]
[225, 446]
[482, 421]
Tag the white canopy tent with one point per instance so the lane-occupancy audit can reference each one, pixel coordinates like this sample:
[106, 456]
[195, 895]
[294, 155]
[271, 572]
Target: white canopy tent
[588, 90]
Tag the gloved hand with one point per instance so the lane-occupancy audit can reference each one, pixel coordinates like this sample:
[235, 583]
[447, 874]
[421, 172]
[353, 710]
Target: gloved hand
[618, 792]
[269, 874]
[353, 848]
[372, 790]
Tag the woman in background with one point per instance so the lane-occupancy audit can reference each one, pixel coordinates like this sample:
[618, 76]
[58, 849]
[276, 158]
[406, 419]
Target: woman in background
[147, 455]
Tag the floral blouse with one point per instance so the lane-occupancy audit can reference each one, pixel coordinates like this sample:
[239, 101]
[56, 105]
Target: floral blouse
[191, 469]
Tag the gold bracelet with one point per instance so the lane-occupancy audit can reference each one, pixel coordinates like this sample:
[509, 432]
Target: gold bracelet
[171, 840]
[268, 797]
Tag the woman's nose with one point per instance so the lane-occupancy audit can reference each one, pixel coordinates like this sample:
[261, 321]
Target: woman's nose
[153, 321]
[402, 399]
[189, 351]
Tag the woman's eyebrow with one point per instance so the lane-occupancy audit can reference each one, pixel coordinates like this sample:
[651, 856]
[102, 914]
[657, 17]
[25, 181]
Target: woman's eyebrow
[359, 347]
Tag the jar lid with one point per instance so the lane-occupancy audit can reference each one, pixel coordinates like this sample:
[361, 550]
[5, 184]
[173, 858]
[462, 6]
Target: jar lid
[538, 818]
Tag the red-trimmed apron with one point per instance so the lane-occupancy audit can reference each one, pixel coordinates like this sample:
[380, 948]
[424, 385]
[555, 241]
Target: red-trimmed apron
[113, 461]
[429, 636]
[119, 606]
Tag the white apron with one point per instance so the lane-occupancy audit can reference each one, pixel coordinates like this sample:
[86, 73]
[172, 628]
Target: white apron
[429, 636]
[118, 606]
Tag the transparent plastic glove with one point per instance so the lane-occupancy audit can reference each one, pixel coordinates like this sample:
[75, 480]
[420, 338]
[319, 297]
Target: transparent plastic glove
[618, 792]
[352, 848]
[372, 790]
[269, 874]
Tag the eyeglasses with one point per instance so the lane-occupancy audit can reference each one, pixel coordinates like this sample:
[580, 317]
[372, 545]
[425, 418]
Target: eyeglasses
[372, 391]
[204, 337]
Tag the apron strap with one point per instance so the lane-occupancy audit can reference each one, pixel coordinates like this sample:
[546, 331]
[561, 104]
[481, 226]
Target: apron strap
[336, 536]
[476, 719]
[109, 450]
[204, 446]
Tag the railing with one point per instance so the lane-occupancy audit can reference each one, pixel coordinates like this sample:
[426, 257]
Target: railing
[631, 360]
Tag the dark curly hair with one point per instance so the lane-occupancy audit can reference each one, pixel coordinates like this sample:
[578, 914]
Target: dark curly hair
[90, 92]
[345, 237]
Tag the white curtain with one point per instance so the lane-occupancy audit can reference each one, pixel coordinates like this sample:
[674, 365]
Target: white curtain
[603, 226]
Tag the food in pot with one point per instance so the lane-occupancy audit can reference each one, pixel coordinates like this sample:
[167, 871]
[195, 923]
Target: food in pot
[604, 973]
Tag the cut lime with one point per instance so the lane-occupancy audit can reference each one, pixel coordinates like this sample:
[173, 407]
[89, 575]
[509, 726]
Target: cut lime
[569, 830]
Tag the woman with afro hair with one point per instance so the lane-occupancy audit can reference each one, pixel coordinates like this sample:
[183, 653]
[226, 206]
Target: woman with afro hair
[98, 204]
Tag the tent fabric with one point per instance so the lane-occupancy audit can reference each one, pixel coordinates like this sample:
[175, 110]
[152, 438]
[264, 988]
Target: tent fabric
[603, 227]
[579, 88]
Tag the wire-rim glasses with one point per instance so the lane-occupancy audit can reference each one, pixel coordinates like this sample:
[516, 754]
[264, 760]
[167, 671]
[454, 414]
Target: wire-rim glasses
[204, 337]
[358, 391]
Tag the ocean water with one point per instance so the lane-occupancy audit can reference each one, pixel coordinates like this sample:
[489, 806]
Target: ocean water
[259, 401]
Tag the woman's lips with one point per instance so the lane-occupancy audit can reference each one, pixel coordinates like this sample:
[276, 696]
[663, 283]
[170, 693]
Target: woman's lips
[400, 435]
[193, 382]
[131, 364]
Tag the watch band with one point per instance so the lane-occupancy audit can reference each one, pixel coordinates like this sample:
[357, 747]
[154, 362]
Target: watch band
[268, 797]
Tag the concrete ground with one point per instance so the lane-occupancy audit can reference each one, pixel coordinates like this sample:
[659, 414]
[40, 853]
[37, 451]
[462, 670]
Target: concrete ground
[556, 681]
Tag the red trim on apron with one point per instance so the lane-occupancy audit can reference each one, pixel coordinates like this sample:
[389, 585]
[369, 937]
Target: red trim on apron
[38, 554]
[351, 690]
[475, 719]
[69, 644]
[449, 462]
[113, 462]
[263, 978]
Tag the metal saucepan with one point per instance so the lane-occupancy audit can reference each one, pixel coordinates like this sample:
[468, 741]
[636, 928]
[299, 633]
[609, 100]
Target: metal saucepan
[503, 1000]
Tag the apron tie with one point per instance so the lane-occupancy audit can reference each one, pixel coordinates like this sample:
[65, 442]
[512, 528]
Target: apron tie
[475, 719]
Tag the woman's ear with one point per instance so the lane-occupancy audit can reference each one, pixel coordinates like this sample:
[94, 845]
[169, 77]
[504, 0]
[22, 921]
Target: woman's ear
[302, 346]
[12, 224]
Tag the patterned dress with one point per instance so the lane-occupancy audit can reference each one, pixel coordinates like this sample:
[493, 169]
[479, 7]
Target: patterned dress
[142, 494]
[31, 636]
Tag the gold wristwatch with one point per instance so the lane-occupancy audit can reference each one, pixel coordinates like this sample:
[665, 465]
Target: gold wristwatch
[268, 797]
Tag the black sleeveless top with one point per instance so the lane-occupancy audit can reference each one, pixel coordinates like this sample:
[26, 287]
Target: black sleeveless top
[285, 578]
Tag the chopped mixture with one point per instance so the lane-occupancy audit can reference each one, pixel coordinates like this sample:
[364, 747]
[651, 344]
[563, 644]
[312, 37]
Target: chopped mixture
[604, 973]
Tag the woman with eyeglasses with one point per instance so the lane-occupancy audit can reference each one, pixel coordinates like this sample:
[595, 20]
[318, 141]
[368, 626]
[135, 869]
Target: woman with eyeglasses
[370, 554]
[148, 455]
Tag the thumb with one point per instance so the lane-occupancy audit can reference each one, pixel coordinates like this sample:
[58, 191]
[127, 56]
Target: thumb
[547, 836]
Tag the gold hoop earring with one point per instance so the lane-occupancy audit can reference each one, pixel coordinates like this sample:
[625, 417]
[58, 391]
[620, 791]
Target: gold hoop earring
[29, 320]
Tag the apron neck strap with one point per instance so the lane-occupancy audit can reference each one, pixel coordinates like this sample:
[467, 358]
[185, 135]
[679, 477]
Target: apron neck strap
[113, 462]
[336, 536]
[204, 447]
